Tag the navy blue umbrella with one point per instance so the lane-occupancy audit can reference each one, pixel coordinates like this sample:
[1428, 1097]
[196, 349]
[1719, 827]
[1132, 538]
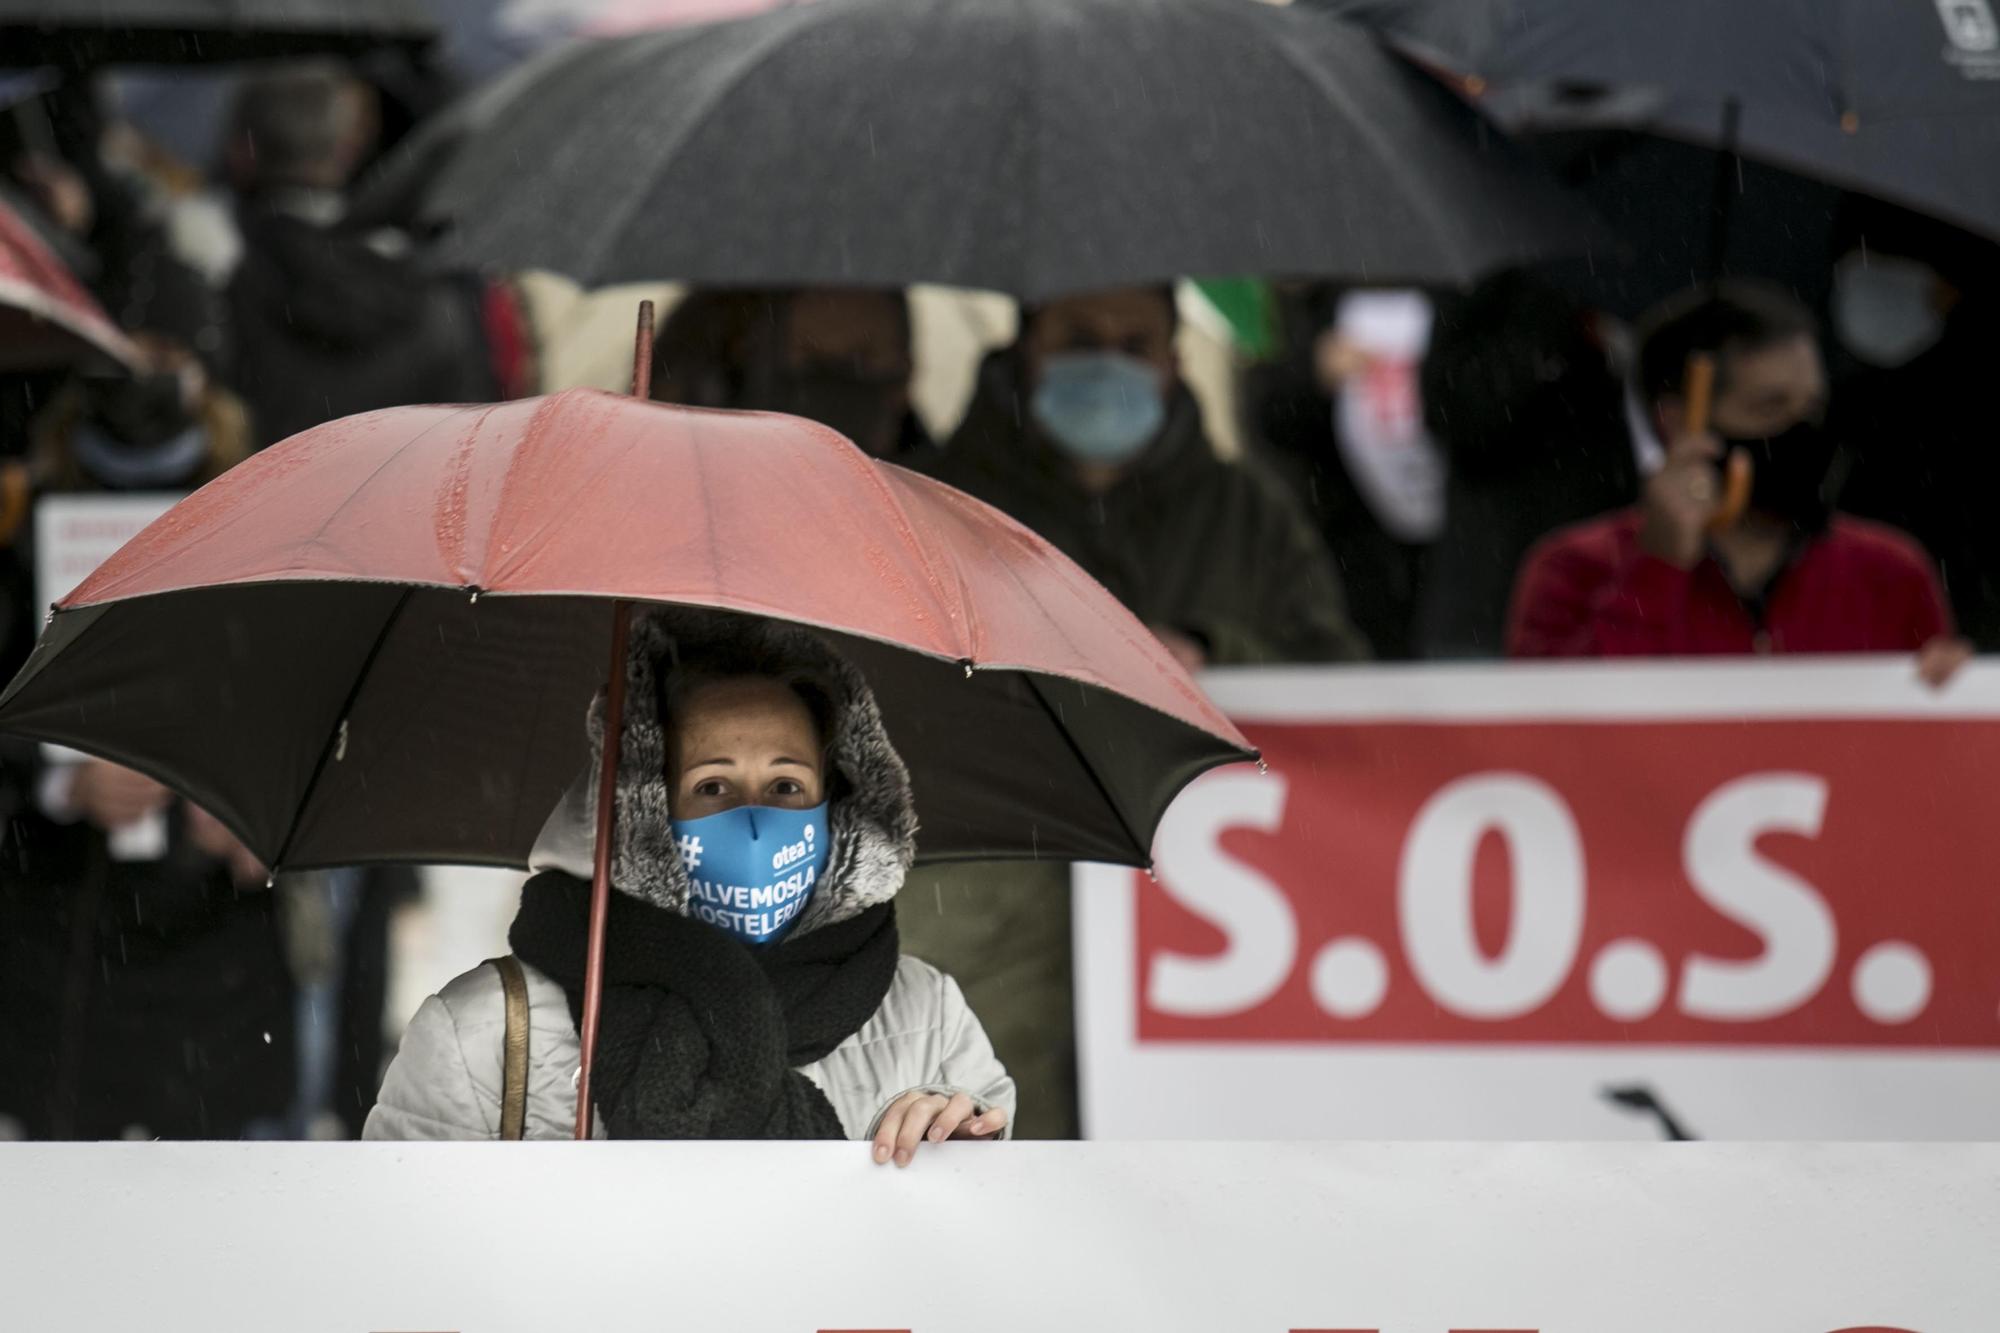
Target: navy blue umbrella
[1898, 99]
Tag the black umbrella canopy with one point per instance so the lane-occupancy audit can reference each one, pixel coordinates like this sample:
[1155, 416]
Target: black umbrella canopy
[1027, 146]
[497, 688]
[84, 33]
[1899, 99]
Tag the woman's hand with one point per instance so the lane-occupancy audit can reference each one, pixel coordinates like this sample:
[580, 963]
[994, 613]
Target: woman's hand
[918, 1115]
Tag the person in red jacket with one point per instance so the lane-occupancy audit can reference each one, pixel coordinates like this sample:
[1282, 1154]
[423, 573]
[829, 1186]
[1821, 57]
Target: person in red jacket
[1790, 575]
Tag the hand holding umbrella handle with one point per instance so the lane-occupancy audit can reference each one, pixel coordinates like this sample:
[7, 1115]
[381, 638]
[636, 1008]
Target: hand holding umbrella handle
[1736, 470]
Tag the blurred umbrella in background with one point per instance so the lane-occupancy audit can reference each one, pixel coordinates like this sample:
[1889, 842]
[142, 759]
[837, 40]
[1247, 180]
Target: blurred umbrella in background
[1898, 100]
[47, 319]
[483, 38]
[1026, 146]
[86, 33]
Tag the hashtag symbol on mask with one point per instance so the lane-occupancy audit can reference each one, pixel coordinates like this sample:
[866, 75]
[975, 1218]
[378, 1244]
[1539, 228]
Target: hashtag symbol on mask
[691, 852]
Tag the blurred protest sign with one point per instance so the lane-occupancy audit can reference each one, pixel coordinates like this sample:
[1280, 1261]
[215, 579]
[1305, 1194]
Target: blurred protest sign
[1070, 1237]
[1477, 902]
[74, 534]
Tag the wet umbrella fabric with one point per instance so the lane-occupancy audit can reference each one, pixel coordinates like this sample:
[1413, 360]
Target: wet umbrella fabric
[82, 33]
[1896, 100]
[47, 318]
[377, 640]
[1029, 146]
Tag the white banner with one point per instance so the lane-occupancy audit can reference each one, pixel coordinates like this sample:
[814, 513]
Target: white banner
[999, 1238]
[1726, 900]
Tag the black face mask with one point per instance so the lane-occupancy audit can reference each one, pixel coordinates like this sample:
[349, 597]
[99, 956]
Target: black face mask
[867, 409]
[141, 411]
[1789, 474]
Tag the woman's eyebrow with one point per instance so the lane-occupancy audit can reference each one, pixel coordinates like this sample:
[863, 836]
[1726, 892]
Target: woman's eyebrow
[724, 762]
[800, 763]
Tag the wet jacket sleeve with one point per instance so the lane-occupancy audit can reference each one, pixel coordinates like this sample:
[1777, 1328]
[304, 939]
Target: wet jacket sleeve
[428, 1092]
[1571, 603]
[966, 1062]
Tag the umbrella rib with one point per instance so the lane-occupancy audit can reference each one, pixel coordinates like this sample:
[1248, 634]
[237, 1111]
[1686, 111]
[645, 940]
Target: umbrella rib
[333, 736]
[452, 413]
[1090, 769]
[955, 607]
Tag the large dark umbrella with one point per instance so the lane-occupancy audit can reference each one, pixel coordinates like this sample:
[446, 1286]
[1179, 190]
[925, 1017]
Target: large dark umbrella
[1899, 99]
[79, 34]
[1026, 146]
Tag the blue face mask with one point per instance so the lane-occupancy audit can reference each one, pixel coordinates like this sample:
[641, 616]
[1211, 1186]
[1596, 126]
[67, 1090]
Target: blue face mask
[1099, 407]
[753, 868]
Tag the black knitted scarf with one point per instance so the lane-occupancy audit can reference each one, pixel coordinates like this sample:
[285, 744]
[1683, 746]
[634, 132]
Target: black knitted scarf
[701, 1036]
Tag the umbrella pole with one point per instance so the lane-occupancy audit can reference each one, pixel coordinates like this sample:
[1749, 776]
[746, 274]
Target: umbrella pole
[607, 780]
[642, 353]
[600, 879]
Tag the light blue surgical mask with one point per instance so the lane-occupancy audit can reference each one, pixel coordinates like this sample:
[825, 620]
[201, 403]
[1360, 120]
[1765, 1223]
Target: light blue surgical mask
[1099, 407]
[753, 868]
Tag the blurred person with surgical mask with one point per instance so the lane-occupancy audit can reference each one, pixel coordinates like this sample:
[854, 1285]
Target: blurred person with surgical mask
[1085, 432]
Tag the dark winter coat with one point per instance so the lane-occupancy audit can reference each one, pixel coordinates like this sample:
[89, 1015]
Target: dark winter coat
[1531, 418]
[1215, 549]
[328, 325]
[146, 999]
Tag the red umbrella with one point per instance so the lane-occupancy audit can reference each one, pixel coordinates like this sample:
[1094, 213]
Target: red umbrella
[377, 640]
[47, 319]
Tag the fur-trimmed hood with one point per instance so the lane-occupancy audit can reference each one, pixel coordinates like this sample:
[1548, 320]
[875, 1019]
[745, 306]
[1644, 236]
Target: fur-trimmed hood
[872, 813]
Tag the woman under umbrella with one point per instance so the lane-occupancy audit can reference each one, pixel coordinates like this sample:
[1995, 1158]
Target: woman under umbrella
[753, 983]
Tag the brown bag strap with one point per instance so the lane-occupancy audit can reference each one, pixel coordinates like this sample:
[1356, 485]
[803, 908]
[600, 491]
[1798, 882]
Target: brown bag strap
[514, 1068]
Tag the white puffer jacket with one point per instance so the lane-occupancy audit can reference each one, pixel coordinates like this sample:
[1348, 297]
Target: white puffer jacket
[445, 1082]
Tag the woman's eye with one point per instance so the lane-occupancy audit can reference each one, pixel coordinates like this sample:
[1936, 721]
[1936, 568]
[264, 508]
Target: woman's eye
[786, 787]
[710, 787]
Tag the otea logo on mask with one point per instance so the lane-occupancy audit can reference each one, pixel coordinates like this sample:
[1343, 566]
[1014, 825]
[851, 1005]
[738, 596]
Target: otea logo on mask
[794, 853]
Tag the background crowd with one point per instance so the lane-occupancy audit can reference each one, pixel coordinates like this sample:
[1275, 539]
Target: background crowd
[1279, 471]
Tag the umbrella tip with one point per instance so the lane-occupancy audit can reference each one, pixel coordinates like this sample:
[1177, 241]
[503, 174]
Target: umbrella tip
[967, 664]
